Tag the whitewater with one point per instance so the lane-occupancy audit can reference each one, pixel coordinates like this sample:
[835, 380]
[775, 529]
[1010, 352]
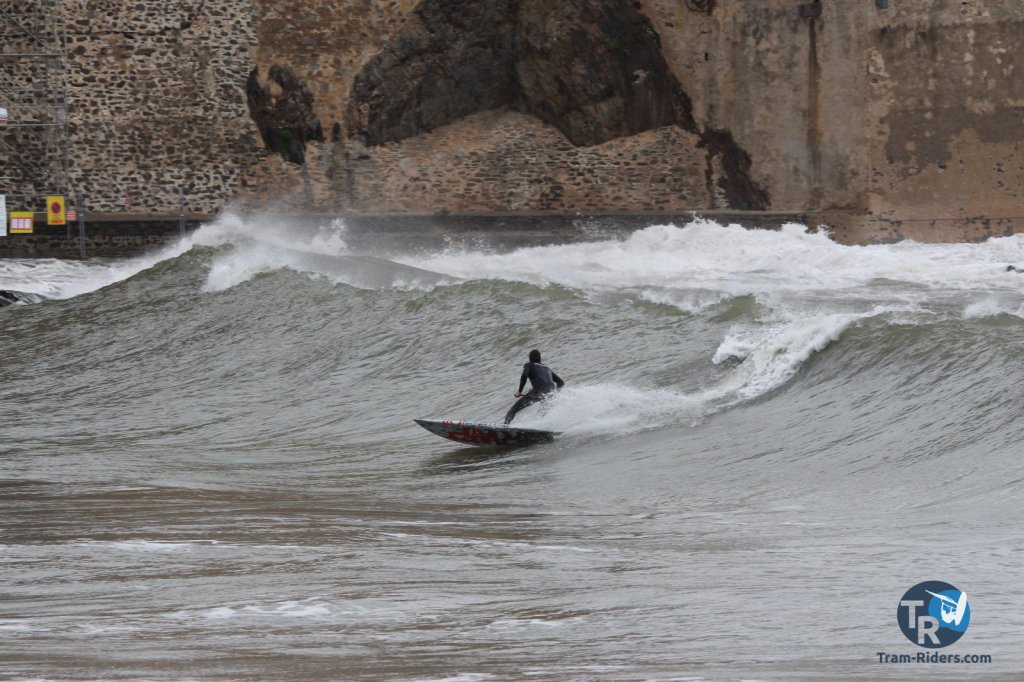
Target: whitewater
[209, 468]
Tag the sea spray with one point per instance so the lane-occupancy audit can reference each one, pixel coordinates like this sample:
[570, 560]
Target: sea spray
[690, 267]
[613, 408]
[736, 261]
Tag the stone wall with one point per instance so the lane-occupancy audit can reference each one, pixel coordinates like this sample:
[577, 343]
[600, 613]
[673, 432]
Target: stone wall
[158, 102]
[905, 120]
[533, 169]
[26, 85]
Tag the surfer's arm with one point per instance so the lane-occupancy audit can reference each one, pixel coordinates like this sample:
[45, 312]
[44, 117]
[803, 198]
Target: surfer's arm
[522, 379]
[558, 380]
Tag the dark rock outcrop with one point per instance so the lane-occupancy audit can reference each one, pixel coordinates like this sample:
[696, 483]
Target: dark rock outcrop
[283, 111]
[8, 297]
[739, 189]
[593, 69]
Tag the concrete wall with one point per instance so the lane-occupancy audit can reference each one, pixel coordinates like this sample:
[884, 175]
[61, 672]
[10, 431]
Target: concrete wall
[912, 114]
[905, 121]
[784, 84]
[947, 113]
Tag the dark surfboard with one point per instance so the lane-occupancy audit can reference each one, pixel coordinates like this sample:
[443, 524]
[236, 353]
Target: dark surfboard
[476, 433]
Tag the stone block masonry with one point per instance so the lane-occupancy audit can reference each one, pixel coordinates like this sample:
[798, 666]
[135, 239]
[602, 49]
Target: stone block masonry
[534, 169]
[158, 102]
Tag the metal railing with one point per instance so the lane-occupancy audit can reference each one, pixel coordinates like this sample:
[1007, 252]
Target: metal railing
[75, 213]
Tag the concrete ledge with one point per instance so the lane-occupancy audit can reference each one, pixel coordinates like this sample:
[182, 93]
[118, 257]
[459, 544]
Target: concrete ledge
[121, 235]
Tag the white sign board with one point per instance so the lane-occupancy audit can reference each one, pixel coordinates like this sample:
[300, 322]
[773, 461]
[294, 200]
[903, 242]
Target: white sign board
[3, 116]
[3, 215]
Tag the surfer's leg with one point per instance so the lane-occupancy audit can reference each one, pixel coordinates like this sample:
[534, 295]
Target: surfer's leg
[516, 406]
[525, 401]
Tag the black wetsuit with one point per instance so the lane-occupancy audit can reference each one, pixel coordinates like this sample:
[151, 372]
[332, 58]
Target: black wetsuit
[542, 382]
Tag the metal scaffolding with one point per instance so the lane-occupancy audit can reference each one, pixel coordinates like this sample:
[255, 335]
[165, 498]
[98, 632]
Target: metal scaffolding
[33, 90]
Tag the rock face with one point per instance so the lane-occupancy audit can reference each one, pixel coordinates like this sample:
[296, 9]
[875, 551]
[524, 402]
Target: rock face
[591, 68]
[283, 112]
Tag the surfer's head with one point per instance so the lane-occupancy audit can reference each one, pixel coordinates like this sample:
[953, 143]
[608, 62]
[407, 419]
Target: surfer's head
[534, 355]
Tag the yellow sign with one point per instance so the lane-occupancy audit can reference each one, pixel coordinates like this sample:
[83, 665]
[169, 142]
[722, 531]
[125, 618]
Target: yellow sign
[55, 214]
[21, 222]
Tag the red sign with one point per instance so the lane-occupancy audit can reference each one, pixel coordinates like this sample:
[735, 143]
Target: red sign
[72, 214]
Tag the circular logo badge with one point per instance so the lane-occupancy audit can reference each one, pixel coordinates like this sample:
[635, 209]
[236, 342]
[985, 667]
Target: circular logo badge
[933, 614]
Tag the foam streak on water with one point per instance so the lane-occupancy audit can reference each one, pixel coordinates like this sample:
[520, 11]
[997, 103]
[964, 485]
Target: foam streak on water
[209, 468]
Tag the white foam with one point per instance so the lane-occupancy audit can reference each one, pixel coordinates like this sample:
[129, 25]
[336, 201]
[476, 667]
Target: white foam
[458, 677]
[611, 408]
[994, 306]
[770, 355]
[61, 279]
[267, 244]
[154, 546]
[810, 290]
[312, 608]
[233, 228]
[151, 546]
[294, 609]
[690, 301]
[765, 357]
[220, 612]
[521, 623]
[689, 267]
[19, 625]
[263, 243]
[731, 261]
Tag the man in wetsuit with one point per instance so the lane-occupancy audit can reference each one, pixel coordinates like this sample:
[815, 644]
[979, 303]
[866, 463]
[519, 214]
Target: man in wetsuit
[542, 382]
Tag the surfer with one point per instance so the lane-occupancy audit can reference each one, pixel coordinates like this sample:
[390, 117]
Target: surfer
[542, 383]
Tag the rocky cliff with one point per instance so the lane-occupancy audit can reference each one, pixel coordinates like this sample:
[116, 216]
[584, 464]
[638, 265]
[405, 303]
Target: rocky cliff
[592, 69]
[894, 119]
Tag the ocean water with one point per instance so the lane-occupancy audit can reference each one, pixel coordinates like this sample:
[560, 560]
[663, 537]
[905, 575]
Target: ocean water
[209, 468]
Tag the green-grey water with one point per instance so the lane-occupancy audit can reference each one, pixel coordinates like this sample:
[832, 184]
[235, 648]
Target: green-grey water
[209, 468]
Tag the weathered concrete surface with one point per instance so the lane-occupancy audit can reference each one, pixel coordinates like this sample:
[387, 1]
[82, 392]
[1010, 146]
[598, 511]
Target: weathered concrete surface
[910, 115]
[904, 121]
[948, 105]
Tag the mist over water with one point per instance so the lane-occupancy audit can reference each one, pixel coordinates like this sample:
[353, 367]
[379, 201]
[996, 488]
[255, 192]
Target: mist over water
[209, 468]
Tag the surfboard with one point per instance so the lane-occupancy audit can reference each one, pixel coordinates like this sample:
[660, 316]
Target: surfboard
[477, 433]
